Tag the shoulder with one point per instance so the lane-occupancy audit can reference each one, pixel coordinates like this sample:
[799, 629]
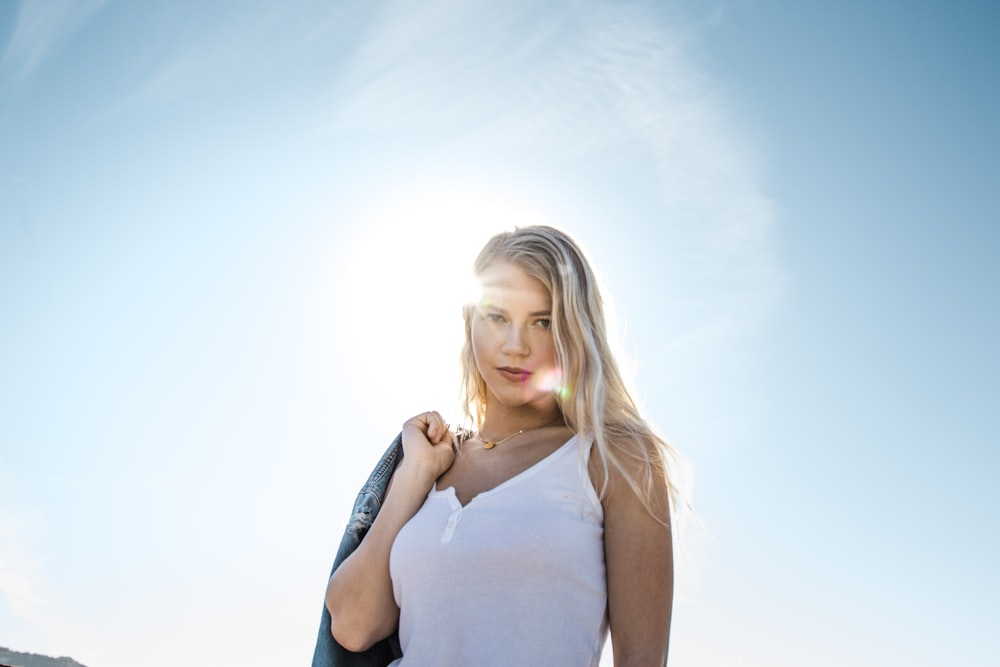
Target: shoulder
[629, 474]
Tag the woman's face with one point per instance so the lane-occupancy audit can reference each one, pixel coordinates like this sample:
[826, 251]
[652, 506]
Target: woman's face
[512, 338]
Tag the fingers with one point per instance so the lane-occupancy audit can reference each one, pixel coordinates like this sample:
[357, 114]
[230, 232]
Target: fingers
[438, 431]
[432, 425]
[443, 434]
[427, 443]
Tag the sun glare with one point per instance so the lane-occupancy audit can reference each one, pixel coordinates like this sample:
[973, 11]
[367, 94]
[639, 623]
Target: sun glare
[403, 290]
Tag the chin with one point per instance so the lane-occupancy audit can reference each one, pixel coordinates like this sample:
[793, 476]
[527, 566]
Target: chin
[532, 400]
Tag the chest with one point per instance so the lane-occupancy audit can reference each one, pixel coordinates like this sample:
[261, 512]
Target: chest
[477, 470]
[485, 514]
[526, 557]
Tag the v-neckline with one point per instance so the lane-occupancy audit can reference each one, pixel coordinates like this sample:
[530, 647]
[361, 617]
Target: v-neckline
[449, 491]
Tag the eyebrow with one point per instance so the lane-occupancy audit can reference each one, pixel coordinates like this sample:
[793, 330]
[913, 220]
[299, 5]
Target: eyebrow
[537, 313]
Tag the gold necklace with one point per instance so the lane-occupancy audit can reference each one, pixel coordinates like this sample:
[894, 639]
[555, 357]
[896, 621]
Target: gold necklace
[490, 444]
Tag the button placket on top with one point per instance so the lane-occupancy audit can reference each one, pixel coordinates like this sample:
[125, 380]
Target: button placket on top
[453, 518]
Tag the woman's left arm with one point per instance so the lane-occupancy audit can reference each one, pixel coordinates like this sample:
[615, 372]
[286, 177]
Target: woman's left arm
[638, 549]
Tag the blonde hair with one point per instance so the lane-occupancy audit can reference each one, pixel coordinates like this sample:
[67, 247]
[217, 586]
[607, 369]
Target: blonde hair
[593, 398]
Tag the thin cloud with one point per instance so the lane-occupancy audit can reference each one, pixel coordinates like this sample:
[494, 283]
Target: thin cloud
[196, 63]
[42, 27]
[227, 48]
[609, 82]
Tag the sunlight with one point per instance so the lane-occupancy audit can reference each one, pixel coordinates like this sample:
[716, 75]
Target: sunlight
[403, 290]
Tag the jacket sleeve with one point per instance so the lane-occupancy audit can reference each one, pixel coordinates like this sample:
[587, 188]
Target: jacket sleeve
[328, 653]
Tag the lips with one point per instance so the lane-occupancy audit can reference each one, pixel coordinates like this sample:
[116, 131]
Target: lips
[514, 374]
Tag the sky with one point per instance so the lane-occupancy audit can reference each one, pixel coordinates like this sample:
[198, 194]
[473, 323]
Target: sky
[234, 239]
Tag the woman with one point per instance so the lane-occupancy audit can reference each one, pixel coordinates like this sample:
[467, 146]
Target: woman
[525, 538]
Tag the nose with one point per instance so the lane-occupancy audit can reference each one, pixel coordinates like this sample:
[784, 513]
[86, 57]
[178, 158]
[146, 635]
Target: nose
[514, 344]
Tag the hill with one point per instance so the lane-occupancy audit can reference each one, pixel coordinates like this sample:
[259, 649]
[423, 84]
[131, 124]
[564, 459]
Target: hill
[15, 659]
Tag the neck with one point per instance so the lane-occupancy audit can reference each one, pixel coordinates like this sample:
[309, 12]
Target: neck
[501, 421]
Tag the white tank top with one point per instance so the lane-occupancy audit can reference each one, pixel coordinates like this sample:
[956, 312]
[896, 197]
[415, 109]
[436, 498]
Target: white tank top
[515, 577]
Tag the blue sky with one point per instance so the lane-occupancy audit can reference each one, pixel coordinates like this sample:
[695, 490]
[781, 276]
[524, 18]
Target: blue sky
[233, 239]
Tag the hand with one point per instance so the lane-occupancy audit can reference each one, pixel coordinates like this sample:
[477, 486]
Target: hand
[427, 444]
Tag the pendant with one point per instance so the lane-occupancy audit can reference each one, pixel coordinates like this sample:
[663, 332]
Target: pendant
[489, 445]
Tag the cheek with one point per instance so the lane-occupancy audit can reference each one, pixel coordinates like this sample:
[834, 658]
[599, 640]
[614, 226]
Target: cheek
[480, 340]
[549, 377]
[545, 348]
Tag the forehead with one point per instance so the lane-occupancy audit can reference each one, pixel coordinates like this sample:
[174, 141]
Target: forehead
[507, 284]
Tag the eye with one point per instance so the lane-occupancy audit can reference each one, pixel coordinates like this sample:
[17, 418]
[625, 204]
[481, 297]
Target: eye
[544, 323]
[494, 317]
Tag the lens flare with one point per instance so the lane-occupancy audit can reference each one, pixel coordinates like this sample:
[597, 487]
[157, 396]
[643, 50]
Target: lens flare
[552, 380]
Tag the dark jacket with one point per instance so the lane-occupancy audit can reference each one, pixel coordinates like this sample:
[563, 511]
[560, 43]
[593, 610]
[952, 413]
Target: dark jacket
[328, 652]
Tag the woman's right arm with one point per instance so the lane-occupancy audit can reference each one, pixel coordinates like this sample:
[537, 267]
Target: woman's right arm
[359, 596]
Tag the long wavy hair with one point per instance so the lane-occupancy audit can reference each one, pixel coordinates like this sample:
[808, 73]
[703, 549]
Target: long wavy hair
[593, 395]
